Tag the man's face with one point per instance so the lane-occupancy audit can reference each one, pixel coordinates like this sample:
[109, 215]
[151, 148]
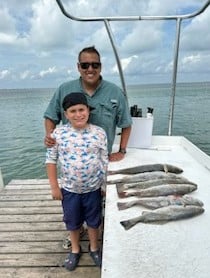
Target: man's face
[90, 68]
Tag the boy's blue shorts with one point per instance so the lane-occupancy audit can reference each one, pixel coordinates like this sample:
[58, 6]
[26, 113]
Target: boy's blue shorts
[78, 208]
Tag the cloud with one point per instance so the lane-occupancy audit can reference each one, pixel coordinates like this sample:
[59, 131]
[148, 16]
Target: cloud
[199, 28]
[4, 74]
[39, 45]
[48, 71]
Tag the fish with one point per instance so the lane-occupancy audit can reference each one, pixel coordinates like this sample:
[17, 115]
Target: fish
[141, 177]
[146, 184]
[160, 190]
[161, 201]
[148, 168]
[163, 215]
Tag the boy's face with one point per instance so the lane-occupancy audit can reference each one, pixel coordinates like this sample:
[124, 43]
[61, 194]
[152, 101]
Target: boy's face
[78, 115]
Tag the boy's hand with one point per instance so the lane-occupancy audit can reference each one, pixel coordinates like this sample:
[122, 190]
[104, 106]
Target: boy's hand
[56, 194]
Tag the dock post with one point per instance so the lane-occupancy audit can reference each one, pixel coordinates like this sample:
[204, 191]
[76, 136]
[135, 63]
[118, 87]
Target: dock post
[1, 180]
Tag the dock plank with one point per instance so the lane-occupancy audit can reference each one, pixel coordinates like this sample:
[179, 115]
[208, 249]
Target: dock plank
[29, 203]
[32, 232]
[30, 218]
[30, 247]
[50, 272]
[32, 226]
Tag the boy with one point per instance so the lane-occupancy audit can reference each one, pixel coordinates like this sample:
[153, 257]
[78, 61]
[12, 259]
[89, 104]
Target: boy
[81, 149]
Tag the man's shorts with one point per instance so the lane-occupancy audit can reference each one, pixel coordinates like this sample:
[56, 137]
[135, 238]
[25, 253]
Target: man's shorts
[78, 208]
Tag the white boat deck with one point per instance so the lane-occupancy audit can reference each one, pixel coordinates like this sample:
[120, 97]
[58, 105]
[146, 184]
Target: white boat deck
[176, 249]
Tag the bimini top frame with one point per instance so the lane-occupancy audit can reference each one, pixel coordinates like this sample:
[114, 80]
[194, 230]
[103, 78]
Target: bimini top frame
[177, 18]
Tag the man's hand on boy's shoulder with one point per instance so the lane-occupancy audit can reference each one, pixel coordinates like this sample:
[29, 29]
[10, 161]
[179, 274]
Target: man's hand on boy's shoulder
[49, 141]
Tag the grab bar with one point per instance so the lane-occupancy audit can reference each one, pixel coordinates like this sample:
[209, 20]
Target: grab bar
[178, 19]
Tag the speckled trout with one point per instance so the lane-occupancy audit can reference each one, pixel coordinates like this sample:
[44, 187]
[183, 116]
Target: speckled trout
[141, 177]
[161, 201]
[167, 168]
[146, 184]
[160, 190]
[163, 215]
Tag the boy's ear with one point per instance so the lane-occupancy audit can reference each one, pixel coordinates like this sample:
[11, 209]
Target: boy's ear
[65, 113]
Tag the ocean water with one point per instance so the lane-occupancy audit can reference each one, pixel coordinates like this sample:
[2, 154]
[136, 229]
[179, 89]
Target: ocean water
[22, 151]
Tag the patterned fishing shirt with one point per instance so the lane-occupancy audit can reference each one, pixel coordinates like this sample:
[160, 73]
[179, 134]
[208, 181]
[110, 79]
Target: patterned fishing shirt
[82, 156]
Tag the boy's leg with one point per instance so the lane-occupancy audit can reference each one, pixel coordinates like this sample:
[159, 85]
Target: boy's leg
[93, 237]
[75, 239]
[94, 249]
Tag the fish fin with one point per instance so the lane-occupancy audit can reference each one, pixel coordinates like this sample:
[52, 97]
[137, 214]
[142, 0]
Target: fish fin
[165, 168]
[145, 212]
[157, 222]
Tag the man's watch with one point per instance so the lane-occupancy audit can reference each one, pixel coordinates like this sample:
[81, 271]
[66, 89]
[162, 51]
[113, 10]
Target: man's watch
[122, 150]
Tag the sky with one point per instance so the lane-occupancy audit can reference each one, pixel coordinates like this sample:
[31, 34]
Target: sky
[39, 46]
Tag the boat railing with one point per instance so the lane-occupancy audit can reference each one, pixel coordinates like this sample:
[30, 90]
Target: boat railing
[177, 18]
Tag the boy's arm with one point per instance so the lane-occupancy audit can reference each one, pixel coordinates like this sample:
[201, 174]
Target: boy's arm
[53, 180]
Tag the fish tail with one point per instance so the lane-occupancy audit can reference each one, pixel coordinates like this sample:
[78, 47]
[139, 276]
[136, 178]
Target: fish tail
[127, 224]
[122, 194]
[120, 187]
[122, 206]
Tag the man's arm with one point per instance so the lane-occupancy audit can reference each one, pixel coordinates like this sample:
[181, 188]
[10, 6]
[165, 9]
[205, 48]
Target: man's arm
[49, 127]
[123, 144]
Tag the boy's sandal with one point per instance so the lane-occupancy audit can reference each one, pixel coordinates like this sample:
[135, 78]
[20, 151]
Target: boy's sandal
[96, 256]
[72, 260]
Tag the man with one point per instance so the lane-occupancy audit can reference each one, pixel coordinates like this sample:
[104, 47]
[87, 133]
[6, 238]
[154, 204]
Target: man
[109, 103]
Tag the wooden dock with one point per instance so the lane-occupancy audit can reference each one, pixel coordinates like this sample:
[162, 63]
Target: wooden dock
[32, 232]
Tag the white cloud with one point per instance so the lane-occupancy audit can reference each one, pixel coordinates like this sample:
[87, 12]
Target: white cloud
[4, 74]
[48, 71]
[25, 74]
[39, 45]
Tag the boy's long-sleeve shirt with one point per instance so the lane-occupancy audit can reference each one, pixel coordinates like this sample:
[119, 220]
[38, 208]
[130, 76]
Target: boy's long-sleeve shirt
[82, 155]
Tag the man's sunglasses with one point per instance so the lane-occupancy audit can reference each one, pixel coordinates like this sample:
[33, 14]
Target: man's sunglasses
[94, 65]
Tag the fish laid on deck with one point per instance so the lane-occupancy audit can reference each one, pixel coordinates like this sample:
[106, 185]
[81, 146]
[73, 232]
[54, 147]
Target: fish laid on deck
[167, 168]
[163, 215]
[161, 201]
[160, 190]
[150, 183]
[141, 177]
